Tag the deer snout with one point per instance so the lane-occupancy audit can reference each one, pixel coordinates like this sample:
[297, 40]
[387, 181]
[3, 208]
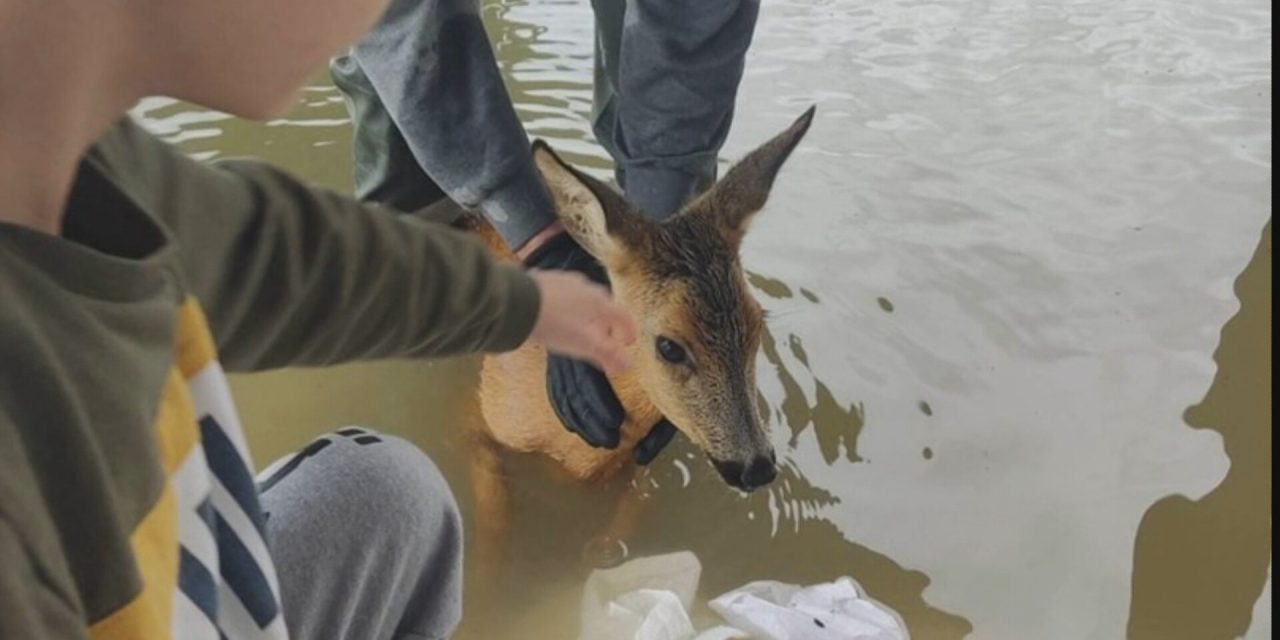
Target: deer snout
[751, 475]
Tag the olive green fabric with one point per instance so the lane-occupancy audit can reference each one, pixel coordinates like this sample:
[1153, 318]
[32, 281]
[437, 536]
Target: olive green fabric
[286, 274]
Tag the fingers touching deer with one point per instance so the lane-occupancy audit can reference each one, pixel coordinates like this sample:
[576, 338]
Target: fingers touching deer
[699, 326]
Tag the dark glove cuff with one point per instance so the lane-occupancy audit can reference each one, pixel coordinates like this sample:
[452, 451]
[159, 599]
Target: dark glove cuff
[564, 253]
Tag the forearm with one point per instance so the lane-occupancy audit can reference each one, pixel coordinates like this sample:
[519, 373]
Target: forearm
[293, 275]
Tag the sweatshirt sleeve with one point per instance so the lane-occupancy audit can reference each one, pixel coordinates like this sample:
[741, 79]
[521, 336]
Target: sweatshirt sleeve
[28, 607]
[289, 274]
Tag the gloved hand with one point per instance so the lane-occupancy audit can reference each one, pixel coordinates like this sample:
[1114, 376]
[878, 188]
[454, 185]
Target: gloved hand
[654, 442]
[580, 394]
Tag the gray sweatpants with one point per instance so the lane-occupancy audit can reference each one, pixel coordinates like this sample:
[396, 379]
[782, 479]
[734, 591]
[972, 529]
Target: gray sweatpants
[366, 539]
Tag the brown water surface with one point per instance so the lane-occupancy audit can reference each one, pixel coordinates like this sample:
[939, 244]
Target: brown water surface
[1019, 276]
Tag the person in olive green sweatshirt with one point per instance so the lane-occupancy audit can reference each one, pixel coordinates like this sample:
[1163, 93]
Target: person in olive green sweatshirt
[131, 275]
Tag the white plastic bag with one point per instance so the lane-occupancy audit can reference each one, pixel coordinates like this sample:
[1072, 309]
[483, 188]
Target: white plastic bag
[830, 611]
[649, 599]
[644, 599]
[723, 633]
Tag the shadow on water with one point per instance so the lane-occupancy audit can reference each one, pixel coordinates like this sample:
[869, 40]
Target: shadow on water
[843, 424]
[1200, 565]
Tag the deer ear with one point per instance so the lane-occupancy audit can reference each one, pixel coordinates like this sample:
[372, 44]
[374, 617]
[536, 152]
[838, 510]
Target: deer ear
[595, 215]
[745, 188]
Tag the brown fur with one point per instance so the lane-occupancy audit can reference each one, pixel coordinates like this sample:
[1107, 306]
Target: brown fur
[682, 280]
[513, 400]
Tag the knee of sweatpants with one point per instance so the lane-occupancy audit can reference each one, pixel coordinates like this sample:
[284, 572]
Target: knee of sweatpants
[380, 487]
[381, 515]
[391, 481]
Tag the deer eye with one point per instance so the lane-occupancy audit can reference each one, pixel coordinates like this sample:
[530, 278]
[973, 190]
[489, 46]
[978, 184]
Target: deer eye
[671, 351]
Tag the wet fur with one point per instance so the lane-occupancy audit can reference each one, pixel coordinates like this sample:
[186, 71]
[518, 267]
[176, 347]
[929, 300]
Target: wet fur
[681, 277]
[513, 394]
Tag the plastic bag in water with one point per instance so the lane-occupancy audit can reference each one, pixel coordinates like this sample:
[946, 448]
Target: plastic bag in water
[644, 599]
[649, 599]
[830, 611]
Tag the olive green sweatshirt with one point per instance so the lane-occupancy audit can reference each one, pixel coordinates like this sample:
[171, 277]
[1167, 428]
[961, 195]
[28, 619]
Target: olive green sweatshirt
[127, 505]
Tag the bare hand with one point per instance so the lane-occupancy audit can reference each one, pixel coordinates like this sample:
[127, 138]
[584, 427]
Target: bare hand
[579, 319]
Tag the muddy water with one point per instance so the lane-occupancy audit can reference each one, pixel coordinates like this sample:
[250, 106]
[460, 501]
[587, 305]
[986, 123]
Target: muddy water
[1019, 277]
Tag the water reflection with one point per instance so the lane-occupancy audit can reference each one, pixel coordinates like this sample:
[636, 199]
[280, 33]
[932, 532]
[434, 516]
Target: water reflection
[313, 140]
[545, 53]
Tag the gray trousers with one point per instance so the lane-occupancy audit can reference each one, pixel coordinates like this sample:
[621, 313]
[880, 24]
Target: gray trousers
[366, 539]
[424, 85]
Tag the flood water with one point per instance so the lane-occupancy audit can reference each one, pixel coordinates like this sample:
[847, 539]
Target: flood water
[1019, 282]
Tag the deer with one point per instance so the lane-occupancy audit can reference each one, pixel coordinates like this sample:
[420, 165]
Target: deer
[699, 331]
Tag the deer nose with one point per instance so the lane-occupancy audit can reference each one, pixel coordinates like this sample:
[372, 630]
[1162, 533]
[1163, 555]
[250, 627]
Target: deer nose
[751, 476]
[760, 472]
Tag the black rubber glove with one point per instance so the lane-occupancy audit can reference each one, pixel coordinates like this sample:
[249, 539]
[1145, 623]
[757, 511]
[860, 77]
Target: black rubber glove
[580, 394]
[654, 442]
